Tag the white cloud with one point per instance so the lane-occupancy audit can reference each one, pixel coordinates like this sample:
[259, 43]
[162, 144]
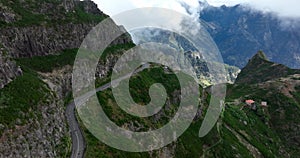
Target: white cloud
[286, 8]
[282, 8]
[113, 7]
[226, 2]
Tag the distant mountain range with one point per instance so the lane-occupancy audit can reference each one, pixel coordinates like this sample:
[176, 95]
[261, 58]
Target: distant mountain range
[239, 32]
[204, 73]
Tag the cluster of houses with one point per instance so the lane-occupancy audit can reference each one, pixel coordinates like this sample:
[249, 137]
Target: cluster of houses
[253, 105]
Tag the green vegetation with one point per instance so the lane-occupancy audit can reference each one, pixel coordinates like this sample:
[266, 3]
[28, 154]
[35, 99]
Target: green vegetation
[28, 13]
[240, 132]
[95, 148]
[139, 86]
[20, 102]
[65, 147]
[20, 99]
[50, 62]
[190, 144]
[116, 50]
[255, 131]
[259, 69]
[271, 130]
[80, 16]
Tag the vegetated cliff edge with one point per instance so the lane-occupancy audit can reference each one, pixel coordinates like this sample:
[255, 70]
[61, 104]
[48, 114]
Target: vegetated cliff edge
[40, 35]
[279, 87]
[41, 28]
[260, 69]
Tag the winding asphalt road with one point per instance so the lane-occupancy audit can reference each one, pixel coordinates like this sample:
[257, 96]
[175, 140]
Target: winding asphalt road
[78, 142]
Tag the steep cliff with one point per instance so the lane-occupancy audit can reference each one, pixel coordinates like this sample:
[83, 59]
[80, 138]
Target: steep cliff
[8, 68]
[39, 36]
[42, 28]
[54, 31]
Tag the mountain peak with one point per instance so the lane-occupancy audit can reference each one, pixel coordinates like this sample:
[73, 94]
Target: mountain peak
[260, 69]
[260, 55]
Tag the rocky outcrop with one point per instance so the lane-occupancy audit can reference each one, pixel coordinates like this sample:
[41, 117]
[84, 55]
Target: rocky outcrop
[259, 69]
[45, 134]
[59, 80]
[41, 40]
[38, 138]
[208, 72]
[89, 7]
[45, 40]
[8, 69]
[58, 25]
[7, 15]
[69, 5]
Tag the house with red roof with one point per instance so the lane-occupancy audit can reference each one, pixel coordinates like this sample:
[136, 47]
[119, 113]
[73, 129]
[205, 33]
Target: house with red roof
[251, 104]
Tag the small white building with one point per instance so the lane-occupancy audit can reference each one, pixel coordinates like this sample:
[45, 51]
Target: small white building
[264, 104]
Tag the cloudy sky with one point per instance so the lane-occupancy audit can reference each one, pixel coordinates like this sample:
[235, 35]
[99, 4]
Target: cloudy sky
[282, 8]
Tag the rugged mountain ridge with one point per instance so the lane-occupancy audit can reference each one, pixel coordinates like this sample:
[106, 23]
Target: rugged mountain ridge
[39, 37]
[32, 110]
[42, 28]
[55, 32]
[260, 69]
[205, 75]
[278, 86]
[240, 31]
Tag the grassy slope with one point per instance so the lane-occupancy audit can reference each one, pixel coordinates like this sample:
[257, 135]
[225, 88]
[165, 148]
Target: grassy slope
[222, 143]
[50, 62]
[28, 90]
[282, 114]
[146, 78]
[259, 69]
[20, 99]
[188, 145]
[242, 132]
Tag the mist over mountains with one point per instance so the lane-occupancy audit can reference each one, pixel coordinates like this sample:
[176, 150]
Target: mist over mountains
[239, 32]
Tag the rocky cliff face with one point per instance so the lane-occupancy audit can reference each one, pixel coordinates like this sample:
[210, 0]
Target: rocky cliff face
[201, 66]
[40, 40]
[8, 68]
[58, 26]
[44, 40]
[44, 135]
[40, 28]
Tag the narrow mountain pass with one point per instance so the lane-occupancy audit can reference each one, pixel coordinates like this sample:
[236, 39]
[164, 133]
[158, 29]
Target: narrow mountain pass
[78, 142]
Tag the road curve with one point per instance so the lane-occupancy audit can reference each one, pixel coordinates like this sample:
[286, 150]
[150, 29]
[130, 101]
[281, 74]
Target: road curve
[78, 142]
